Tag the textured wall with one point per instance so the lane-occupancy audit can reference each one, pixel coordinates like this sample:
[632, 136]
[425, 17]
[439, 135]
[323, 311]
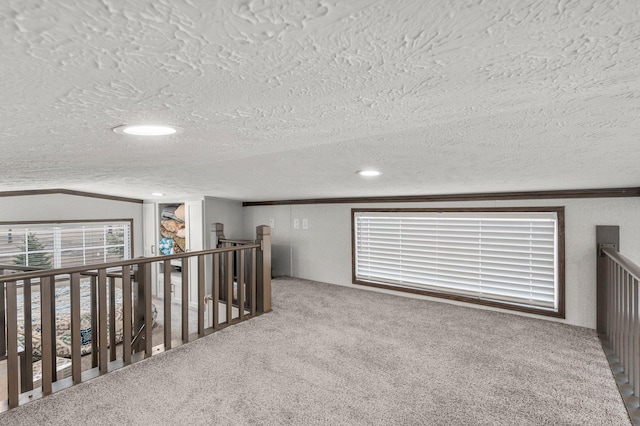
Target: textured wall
[323, 252]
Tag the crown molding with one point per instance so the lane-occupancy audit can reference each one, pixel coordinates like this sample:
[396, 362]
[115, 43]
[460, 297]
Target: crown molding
[68, 192]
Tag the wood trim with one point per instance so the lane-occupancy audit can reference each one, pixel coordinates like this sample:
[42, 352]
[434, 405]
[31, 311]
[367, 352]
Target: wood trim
[54, 222]
[69, 192]
[488, 196]
[561, 263]
[559, 210]
[606, 235]
[555, 209]
[464, 299]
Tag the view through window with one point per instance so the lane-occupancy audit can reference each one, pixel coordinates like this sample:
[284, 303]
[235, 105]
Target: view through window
[60, 245]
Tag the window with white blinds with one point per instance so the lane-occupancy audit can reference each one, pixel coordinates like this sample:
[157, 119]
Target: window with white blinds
[499, 257]
[61, 245]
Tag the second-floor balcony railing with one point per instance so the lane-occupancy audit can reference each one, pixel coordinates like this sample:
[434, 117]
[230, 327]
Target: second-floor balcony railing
[60, 327]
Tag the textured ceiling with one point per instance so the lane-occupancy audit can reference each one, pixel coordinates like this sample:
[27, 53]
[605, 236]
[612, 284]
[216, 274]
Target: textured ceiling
[288, 99]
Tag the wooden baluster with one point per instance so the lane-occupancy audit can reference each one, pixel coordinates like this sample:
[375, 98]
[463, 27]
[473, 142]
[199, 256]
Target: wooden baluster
[76, 335]
[241, 285]
[215, 309]
[253, 290]
[54, 342]
[627, 325]
[112, 318]
[27, 373]
[185, 299]
[630, 337]
[619, 319]
[636, 338]
[47, 330]
[167, 304]
[609, 300]
[623, 320]
[127, 308]
[616, 306]
[201, 305]
[620, 316]
[94, 321]
[148, 319]
[13, 361]
[103, 354]
[229, 285]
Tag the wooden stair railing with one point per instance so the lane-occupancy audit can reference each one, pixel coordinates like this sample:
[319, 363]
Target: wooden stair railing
[209, 274]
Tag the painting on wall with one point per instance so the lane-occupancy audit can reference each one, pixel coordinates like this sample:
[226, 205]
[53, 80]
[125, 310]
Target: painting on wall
[172, 229]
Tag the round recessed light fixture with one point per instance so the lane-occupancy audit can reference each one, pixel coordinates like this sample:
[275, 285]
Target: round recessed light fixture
[157, 194]
[368, 173]
[146, 130]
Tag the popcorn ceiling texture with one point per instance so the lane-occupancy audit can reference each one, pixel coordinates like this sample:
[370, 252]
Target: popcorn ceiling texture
[287, 99]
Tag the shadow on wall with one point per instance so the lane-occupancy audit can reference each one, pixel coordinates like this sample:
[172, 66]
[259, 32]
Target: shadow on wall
[280, 260]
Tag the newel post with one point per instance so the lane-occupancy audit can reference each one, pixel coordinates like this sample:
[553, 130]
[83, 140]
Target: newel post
[3, 326]
[218, 230]
[606, 236]
[263, 264]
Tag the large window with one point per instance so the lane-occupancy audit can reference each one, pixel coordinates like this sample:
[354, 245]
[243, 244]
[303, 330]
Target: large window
[66, 244]
[511, 258]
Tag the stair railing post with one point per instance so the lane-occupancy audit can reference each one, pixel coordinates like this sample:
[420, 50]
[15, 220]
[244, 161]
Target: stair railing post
[3, 324]
[263, 266]
[605, 236]
[218, 229]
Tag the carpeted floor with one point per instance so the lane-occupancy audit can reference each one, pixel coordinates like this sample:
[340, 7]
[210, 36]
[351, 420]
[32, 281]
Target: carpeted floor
[330, 355]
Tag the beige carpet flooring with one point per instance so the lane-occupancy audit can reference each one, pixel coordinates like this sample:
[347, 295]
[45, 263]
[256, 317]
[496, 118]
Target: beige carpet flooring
[330, 355]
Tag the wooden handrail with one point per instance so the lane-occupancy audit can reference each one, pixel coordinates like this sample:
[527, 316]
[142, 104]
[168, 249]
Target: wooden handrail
[224, 240]
[618, 320]
[627, 264]
[131, 262]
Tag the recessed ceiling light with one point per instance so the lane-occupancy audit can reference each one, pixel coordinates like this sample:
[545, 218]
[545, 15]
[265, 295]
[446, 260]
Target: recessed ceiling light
[157, 194]
[369, 173]
[146, 130]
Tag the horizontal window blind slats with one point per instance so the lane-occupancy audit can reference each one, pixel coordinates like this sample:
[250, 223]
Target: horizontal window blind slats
[459, 286]
[510, 256]
[65, 244]
[455, 227]
[452, 248]
[451, 276]
[435, 241]
[491, 256]
[460, 276]
[519, 230]
[478, 266]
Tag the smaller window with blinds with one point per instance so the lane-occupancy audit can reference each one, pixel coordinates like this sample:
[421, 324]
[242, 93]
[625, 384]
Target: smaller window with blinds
[64, 244]
[509, 258]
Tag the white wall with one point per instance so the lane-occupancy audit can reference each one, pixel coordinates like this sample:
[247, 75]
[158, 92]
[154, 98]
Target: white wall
[281, 233]
[52, 207]
[323, 252]
[227, 212]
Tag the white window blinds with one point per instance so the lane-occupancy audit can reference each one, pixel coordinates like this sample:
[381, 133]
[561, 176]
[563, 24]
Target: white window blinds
[63, 245]
[494, 256]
